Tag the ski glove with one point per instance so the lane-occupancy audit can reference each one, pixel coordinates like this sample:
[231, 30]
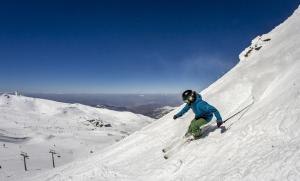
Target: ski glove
[219, 123]
[175, 117]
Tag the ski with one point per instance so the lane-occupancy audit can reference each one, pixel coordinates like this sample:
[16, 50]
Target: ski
[174, 148]
[177, 143]
[171, 145]
[177, 147]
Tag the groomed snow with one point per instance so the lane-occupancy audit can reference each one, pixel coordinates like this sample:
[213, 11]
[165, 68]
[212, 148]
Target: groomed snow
[262, 143]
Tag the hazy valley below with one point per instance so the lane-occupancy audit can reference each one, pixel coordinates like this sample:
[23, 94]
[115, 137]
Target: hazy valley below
[152, 105]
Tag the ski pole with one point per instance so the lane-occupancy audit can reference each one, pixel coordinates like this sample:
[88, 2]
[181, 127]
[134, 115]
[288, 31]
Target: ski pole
[238, 112]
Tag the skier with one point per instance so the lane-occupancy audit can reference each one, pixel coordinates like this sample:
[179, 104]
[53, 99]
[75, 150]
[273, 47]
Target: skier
[203, 113]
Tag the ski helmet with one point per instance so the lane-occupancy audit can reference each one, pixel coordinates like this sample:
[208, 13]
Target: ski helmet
[188, 96]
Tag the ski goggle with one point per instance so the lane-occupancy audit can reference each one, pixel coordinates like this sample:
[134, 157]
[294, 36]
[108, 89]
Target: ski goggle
[189, 99]
[186, 101]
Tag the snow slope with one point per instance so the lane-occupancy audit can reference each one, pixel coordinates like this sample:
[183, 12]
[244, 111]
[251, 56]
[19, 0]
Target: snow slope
[261, 143]
[73, 130]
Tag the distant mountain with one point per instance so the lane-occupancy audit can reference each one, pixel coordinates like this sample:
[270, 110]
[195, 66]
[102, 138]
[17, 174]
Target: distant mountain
[162, 111]
[155, 111]
[116, 108]
[146, 104]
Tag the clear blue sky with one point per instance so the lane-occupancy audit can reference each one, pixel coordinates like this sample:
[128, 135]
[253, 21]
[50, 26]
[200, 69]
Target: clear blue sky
[143, 46]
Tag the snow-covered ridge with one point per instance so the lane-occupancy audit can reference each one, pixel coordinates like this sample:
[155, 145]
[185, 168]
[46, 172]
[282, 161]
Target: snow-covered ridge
[256, 45]
[262, 143]
[263, 40]
[75, 131]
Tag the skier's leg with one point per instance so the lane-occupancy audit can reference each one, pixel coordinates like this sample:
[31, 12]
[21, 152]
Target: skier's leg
[190, 129]
[196, 127]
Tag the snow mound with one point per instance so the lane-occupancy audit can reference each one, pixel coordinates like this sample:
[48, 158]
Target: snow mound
[261, 143]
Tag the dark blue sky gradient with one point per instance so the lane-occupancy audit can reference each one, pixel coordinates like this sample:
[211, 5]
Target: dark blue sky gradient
[127, 46]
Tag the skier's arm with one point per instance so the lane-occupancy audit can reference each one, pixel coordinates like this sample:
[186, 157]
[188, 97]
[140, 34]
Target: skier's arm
[183, 110]
[213, 110]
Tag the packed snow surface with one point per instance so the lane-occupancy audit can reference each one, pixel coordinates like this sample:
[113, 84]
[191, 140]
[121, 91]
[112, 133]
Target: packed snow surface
[261, 143]
[74, 131]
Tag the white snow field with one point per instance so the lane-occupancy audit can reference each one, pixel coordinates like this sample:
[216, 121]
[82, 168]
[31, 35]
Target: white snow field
[261, 143]
[74, 131]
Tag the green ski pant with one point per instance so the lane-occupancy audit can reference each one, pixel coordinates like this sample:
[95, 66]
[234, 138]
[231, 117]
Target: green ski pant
[195, 127]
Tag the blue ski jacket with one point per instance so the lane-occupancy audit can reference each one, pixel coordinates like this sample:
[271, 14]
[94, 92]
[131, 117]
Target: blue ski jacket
[201, 109]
